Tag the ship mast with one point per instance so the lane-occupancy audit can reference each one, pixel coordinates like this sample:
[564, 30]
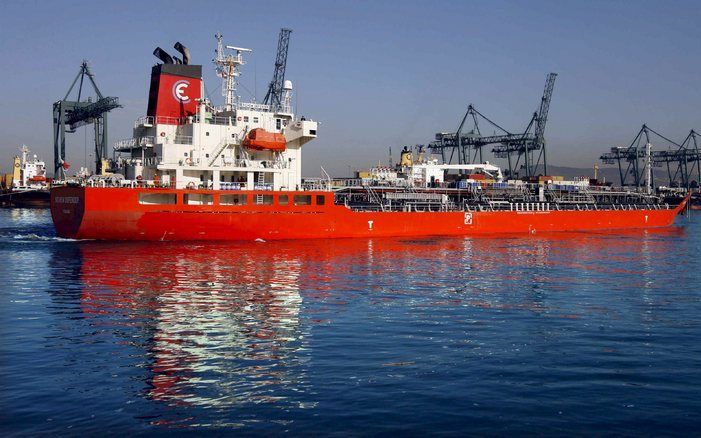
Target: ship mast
[228, 70]
[648, 167]
[25, 153]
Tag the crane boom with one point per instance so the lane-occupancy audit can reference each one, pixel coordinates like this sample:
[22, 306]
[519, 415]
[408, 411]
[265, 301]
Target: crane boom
[542, 117]
[274, 95]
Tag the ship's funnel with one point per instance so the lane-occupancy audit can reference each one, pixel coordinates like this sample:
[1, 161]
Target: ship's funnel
[163, 56]
[174, 92]
[184, 51]
[177, 60]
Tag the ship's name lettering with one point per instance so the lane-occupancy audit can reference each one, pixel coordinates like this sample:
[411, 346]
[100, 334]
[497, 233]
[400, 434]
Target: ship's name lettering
[67, 199]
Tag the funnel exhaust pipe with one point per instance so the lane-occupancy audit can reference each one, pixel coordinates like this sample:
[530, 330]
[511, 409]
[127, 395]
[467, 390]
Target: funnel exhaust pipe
[163, 56]
[184, 51]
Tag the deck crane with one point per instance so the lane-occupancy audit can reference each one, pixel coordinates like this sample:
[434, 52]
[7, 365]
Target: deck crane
[72, 114]
[275, 90]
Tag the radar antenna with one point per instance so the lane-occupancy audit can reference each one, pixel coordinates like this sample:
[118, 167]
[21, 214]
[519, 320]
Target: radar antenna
[228, 69]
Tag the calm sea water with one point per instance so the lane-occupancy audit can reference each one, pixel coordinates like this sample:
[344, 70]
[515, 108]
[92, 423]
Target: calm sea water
[583, 333]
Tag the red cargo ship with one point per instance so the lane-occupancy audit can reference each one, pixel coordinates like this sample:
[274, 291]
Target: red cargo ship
[193, 171]
[116, 213]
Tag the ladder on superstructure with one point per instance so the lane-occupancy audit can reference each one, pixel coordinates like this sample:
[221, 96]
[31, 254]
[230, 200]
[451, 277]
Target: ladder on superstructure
[220, 148]
[260, 185]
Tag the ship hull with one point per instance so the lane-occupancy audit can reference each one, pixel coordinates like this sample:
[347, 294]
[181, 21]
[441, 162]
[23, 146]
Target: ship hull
[118, 214]
[25, 199]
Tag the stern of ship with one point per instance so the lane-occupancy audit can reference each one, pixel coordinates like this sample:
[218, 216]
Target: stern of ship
[67, 209]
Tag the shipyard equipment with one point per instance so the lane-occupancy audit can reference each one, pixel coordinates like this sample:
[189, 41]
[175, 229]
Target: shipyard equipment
[69, 115]
[519, 149]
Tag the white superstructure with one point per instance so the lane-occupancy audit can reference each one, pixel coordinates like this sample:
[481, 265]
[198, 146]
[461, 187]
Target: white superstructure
[430, 172]
[30, 172]
[206, 150]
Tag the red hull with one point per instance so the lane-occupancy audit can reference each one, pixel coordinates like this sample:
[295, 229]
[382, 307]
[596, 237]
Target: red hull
[116, 214]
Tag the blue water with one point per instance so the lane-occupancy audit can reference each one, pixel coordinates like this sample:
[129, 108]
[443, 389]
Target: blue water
[549, 335]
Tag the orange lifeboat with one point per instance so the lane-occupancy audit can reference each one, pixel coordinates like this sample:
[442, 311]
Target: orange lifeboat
[262, 140]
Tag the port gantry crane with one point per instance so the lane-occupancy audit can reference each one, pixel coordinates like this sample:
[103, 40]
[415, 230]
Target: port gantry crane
[69, 115]
[506, 144]
[687, 161]
[275, 90]
[682, 160]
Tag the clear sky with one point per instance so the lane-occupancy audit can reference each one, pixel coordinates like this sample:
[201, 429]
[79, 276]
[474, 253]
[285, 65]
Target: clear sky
[375, 74]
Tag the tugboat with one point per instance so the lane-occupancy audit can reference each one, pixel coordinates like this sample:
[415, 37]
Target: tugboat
[196, 171]
[28, 186]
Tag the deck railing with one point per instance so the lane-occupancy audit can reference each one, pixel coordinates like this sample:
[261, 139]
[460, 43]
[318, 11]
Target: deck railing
[250, 106]
[149, 121]
[131, 143]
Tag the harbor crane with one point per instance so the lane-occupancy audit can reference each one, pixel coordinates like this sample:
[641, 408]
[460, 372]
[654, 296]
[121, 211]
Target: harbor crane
[69, 115]
[683, 163]
[275, 90]
[635, 161]
[527, 148]
[469, 148]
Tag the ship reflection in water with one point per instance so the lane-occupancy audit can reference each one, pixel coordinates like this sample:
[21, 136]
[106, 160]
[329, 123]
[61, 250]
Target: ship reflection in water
[359, 335]
[223, 321]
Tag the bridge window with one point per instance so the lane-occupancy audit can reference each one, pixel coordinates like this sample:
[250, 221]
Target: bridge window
[232, 199]
[303, 199]
[320, 199]
[255, 120]
[278, 124]
[157, 198]
[283, 200]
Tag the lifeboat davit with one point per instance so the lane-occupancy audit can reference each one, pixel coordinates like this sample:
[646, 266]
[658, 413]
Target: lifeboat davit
[262, 140]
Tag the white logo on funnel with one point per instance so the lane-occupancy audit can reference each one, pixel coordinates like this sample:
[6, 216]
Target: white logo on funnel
[179, 90]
